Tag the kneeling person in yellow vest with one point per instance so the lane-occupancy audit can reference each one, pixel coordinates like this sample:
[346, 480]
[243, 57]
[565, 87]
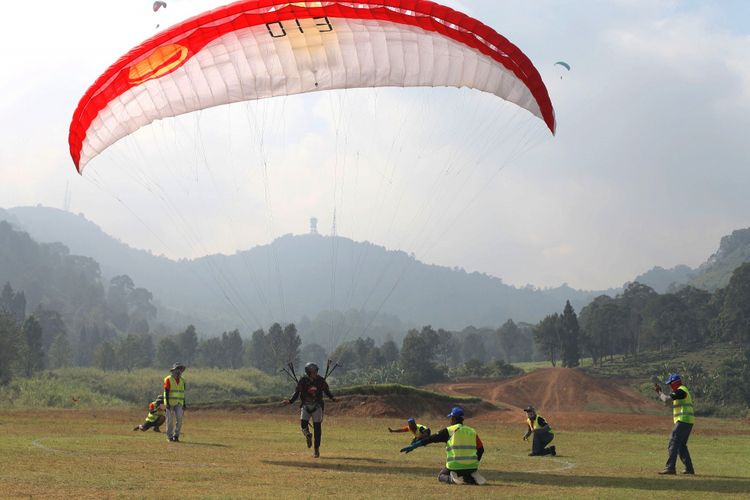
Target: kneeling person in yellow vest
[155, 417]
[684, 418]
[419, 431]
[174, 398]
[463, 450]
[543, 434]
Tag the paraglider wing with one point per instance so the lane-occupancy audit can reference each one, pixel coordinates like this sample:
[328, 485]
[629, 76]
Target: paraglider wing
[563, 64]
[158, 5]
[264, 48]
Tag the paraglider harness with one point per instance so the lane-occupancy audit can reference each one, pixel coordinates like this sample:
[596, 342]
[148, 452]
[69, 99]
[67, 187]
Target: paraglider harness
[291, 373]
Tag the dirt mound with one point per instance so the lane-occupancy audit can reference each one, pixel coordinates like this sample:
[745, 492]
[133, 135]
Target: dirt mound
[381, 405]
[556, 389]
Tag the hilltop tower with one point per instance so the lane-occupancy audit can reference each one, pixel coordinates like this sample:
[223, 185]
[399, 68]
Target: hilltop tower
[313, 225]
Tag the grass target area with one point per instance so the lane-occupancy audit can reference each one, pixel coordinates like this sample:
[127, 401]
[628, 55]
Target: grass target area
[95, 454]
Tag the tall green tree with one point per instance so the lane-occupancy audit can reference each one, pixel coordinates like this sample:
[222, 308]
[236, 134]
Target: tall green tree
[234, 349]
[510, 340]
[187, 342]
[259, 353]
[52, 326]
[104, 356]
[120, 288]
[314, 353]
[33, 354]
[140, 310]
[60, 353]
[734, 318]
[602, 325]
[389, 350]
[473, 347]
[418, 356]
[146, 350]
[635, 299]
[13, 303]
[167, 353]
[128, 351]
[547, 337]
[211, 353]
[284, 344]
[569, 334]
[11, 346]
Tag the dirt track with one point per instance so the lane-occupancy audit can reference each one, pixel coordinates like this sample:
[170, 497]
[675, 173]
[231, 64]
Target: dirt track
[556, 390]
[568, 398]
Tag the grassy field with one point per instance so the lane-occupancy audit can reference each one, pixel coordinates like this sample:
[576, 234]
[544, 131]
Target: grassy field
[91, 387]
[94, 454]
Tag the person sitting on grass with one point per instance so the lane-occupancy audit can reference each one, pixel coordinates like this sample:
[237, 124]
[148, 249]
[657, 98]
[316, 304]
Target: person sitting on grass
[156, 416]
[463, 450]
[418, 430]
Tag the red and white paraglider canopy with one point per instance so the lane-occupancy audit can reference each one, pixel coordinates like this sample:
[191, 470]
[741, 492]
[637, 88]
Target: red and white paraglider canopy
[263, 48]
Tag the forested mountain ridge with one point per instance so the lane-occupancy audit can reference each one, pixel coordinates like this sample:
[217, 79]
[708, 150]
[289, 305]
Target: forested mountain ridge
[662, 280]
[715, 273]
[294, 276]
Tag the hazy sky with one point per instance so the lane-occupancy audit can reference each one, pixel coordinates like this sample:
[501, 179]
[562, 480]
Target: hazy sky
[650, 166]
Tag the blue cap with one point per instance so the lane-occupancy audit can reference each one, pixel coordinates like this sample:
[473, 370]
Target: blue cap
[411, 421]
[457, 411]
[673, 377]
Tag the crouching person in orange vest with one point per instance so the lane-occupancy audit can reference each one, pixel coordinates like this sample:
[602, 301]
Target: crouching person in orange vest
[419, 431]
[155, 417]
[463, 450]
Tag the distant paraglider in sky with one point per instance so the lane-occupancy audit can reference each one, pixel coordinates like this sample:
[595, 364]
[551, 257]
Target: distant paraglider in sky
[158, 5]
[563, 64]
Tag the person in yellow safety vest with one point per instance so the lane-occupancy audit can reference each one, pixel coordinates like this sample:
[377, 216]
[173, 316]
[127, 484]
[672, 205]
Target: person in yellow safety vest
[543, 434]
[174, 399]
[155, 417]
[463, 450]
[418, 430]
[683, 416]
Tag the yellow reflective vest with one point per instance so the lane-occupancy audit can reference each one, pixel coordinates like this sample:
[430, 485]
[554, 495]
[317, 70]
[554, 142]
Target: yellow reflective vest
[461, 448]
[682, 409]
[534, 425]
[176, 391]
[420, 429]
[153, 415]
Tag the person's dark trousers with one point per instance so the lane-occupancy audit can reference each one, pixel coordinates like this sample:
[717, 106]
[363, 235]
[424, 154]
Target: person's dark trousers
[444, 476]
[541, 440]
[678, 446]
[156, 424]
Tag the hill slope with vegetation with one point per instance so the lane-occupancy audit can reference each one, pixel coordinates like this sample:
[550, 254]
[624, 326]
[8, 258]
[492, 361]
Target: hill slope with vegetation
[300, 269]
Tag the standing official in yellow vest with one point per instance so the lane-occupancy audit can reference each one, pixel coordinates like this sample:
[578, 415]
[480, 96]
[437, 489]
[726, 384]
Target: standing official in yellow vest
[174, 399]
[463, 450]
[684, 418]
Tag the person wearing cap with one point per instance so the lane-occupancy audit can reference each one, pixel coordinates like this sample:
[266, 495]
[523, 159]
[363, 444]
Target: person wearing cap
[174, 399]
[463, 450]
[155, 417]
[310, 389]
[418, 430]
[543, 434]
[684, 418]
